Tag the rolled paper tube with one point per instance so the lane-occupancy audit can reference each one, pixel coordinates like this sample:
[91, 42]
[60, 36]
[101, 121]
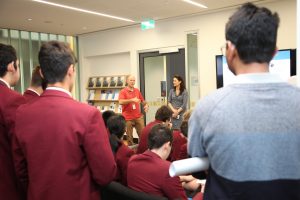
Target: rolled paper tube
[188, 166]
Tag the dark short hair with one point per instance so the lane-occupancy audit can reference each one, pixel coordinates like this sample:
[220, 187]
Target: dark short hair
[116, 125]
[158, 136]
[164, 113]
[253, 31]
[55, 59]
[106, 115]
[7, 55]
[36, 78]
[184, 127]
[182, 85]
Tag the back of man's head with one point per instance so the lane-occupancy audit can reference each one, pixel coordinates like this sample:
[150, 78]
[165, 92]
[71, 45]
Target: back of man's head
[7, 55]
[106, 115]
[55, 59]
[116, 125]
[158, 136]
[36, 78]
[164, 113]
[253, 31]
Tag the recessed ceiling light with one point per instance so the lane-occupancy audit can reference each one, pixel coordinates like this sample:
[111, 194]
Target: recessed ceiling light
[195, 3]
[83, 10]
[29, 19]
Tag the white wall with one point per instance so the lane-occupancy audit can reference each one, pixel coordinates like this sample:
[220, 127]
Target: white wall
[173, 32]
[104, 65]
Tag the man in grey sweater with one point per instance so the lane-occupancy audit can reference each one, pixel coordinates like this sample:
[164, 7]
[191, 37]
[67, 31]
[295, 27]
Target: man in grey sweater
[250, 130]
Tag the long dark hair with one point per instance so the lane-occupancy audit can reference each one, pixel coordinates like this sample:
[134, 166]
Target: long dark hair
[182, 85]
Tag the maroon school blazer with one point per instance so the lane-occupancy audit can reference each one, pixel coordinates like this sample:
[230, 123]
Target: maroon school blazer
[143, 143]
[122, 156]
[30, 95]
[9, 102]
[147, 172]
[61, 149]
[178, 141]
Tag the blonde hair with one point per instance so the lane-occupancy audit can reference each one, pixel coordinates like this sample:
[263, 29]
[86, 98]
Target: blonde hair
[186, 116]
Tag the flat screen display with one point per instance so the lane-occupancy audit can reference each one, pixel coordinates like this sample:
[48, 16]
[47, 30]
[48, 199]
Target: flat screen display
[283, 64]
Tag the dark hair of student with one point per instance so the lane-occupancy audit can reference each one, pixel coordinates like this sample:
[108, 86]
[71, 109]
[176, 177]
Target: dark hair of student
[36, 78]
[7, 55]
[164, 113]
[182, 85]
[159, 135]
[117, 126]
[106, 115]
[185, 123]
[184, 128]
[253, 31]
[55, 59]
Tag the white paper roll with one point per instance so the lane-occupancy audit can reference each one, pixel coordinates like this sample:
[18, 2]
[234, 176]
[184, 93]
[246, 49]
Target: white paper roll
[188, 166]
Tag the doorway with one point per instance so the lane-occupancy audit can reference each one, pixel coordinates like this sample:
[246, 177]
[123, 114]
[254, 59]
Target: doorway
[156, 77]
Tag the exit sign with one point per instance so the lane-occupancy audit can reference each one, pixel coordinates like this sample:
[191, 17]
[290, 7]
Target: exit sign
[147, 24]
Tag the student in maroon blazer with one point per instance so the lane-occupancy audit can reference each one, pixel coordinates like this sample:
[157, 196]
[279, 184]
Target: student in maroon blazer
[37, 85]
[162, 115]
[65, 151]
[149, 172]
[9, 102]
[117, 127]
[182, 154]
[178, 141]
[105, 116]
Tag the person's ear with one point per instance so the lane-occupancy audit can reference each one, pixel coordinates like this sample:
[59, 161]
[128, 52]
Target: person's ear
[10, 67]
[71, 70]
[230, 51]
[167, 145]
[41, 73]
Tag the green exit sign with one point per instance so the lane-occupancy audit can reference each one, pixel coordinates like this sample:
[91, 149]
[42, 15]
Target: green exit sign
[147, 24]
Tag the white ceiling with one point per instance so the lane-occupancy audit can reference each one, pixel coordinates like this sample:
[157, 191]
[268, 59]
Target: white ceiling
[50, 19]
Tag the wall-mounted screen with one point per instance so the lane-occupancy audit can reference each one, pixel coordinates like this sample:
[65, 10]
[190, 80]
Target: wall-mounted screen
[283, 63]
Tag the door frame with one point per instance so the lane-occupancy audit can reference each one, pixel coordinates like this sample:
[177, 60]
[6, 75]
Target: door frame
[155, 53]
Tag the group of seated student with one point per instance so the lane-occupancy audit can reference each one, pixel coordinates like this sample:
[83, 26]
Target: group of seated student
[163, 115]
[148, 170]
[74, 155]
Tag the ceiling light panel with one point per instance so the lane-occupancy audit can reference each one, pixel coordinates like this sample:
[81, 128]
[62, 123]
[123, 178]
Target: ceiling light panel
[82, 10]
[195, 3]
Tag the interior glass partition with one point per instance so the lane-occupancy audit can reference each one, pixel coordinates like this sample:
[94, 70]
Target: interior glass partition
[27, 45]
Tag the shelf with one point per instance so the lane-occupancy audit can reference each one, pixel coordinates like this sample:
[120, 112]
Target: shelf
[105, 98]
[103, 88]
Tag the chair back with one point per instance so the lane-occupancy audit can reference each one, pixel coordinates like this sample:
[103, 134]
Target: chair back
[117, 191]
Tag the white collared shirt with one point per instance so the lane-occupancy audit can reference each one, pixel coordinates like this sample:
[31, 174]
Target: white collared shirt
[6, 83]
[59, 89]
[258, 78]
